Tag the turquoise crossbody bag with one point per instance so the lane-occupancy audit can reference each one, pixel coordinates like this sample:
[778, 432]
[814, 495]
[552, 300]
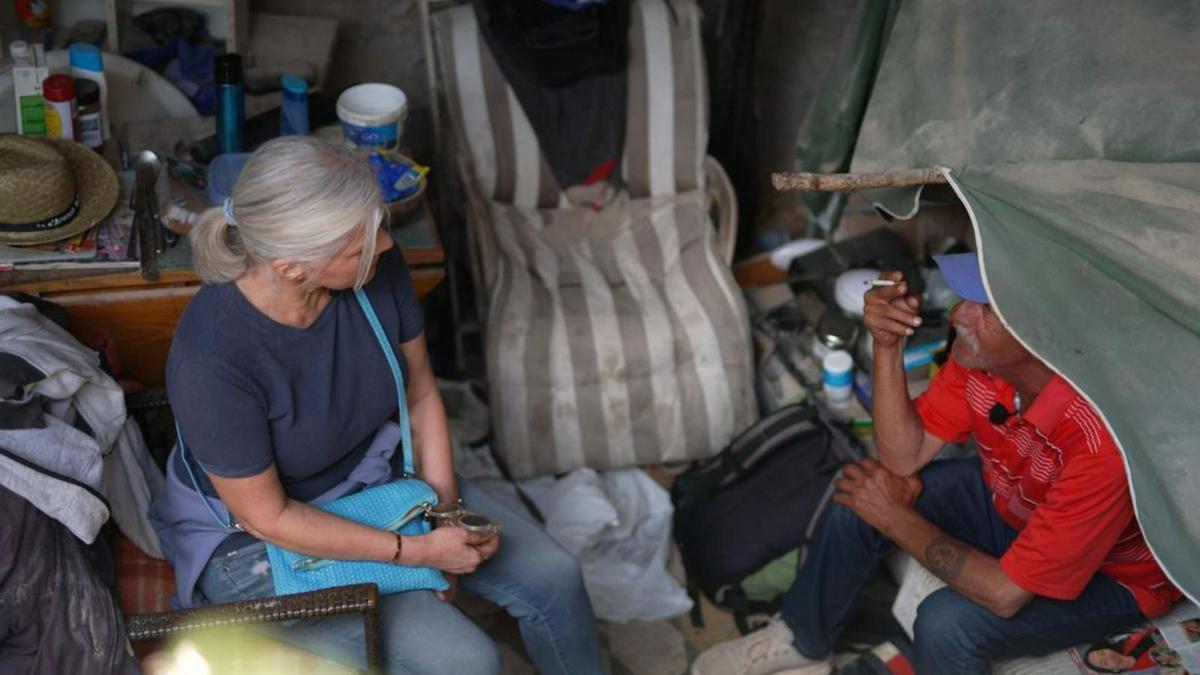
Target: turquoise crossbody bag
[399, 506]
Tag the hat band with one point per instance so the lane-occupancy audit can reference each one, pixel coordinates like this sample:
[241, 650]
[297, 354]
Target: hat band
[48, 223]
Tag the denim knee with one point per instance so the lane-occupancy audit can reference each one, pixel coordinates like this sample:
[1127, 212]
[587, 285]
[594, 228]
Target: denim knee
[843, 516]
[469, 653]
[560, 578]
[562, 567]
[947, 636]
[845, 522]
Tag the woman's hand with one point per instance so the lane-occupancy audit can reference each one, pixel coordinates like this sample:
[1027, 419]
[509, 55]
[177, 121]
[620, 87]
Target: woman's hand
[486, 544]
[448, 549]
[889, 313]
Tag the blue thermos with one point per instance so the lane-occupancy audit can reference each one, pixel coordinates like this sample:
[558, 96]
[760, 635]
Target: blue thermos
[231, 104]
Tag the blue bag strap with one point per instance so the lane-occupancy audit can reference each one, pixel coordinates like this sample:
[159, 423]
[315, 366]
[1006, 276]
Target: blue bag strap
[187, 464]
[397, 376]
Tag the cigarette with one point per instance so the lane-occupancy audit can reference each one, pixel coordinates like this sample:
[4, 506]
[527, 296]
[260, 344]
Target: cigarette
[882, 282]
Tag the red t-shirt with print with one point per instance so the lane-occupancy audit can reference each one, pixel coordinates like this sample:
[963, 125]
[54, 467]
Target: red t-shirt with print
[1057, 477]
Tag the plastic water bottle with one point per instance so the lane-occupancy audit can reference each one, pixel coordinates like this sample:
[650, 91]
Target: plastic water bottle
[293, 116]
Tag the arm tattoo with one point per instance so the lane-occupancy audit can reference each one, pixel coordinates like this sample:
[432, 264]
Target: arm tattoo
[946, 558]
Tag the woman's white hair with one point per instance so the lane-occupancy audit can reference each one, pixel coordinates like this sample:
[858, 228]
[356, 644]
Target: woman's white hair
[299, 199]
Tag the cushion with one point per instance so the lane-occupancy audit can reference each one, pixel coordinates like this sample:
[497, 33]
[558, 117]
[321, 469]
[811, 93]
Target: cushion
[615, 337]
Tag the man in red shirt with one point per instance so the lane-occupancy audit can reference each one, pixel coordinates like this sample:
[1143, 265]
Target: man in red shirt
[1036, 538]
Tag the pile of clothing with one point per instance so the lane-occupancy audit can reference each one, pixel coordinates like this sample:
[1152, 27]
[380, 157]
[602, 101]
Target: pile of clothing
[69, 460]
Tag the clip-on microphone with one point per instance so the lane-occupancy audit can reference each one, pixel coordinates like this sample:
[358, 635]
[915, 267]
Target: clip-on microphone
[998, 414]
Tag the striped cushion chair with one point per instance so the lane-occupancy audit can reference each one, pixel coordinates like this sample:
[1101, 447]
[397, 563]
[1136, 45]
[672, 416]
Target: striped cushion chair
[615, 337]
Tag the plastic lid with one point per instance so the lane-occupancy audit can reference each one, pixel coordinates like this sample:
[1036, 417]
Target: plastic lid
[87, 57]
[837, 361]
[372, 104]
[86, 91]
[294, 84]
[227, 69]
[58, 88]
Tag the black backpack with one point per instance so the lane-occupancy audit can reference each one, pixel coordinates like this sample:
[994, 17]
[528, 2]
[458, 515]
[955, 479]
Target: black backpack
[755, 501]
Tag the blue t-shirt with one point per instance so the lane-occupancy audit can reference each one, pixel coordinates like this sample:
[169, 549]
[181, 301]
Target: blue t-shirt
[249, 392]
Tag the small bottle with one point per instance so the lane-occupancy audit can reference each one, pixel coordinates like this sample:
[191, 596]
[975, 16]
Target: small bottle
[58, 93]
[837, 376]
[87, 103]
[293, 116]
[231, 104]
[87, 63]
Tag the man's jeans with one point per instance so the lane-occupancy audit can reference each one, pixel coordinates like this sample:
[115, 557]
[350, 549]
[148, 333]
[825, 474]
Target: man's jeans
[531, 576]
[952, 634]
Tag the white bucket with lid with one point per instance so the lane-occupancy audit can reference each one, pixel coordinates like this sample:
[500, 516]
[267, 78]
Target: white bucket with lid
[372, 114]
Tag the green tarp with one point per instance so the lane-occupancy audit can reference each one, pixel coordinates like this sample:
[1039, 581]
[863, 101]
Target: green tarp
[1095, 266]
[1071, 132]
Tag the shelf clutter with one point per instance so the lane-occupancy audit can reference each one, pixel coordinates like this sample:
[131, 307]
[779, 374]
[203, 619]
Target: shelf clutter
[155, 95]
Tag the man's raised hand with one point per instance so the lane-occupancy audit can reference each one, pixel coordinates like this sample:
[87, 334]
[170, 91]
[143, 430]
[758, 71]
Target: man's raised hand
[889, 312]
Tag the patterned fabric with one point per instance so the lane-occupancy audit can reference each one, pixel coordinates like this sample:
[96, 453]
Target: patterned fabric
[666, 131]
[614, 337]
[384, 507]
[143, 583]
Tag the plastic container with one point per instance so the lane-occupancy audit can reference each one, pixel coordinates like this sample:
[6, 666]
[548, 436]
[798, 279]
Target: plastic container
[231, 104]
[223, 172]
[29, 71]
[58, 94]
[87, 103]
[372, 114]
[87, 63]
[837, 376]
[293, 115]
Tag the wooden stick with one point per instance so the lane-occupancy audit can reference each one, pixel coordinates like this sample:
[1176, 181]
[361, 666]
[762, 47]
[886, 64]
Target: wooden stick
[849, 182]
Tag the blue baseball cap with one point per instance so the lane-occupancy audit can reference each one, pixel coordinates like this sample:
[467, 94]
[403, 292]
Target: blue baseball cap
[964, 276]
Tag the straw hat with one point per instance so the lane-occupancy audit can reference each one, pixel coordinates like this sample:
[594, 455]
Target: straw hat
[51, 189]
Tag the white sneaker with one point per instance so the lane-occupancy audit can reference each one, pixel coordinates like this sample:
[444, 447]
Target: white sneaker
[766, 651]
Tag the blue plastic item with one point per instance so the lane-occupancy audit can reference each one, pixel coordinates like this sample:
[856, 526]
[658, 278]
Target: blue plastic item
[293, 115]
[223, 172]
[87, 57]
[397, 180]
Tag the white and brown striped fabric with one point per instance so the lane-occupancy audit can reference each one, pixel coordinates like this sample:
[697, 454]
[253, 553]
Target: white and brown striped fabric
[614, 338]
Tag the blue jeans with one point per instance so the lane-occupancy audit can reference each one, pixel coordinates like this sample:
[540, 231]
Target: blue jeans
[952, 634]
[531, 576]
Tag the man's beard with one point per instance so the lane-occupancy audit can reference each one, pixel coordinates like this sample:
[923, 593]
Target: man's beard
[968, 347]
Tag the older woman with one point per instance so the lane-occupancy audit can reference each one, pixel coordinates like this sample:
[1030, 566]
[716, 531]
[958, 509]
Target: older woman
[280, 386]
